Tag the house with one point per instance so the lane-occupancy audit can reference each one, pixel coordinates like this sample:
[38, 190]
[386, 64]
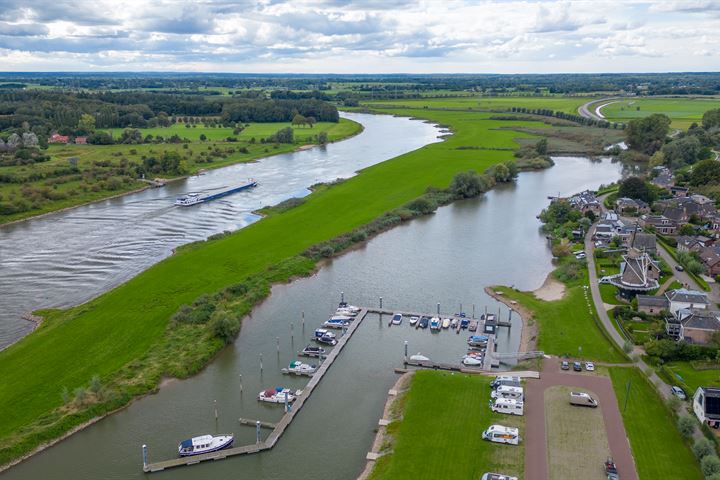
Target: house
[710, 258]
[80, 140]
[706, 405]
[660, 223]
[628, 206]
[683, 298]
[638, 273]
[693, 325]
[604, 231]
[645, 242]
[586, 201]
[57, 138]
[689, 244]
[651, 304]
[610, 216]
[681, 209]
[679, 191]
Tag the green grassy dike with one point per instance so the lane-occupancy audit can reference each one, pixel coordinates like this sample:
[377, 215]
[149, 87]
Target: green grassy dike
[124, 338]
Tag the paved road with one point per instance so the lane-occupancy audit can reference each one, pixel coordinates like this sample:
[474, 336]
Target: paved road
[685, 279]
[536, 463]
[588, 111]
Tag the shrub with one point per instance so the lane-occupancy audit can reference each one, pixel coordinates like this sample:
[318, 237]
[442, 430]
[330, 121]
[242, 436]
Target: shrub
[686, 425]
[703, 448]
[710, 465]
[95, 384]
[466, 184]
[422, 205]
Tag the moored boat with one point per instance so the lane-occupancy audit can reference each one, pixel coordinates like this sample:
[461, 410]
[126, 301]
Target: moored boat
[397, 319]
[312, 351]
[435, 323]
[346, 312]
[419, 358]
[414, 320]
[336, 322]
[446, 323]
[278, 395]
[299, 368]
[464, 322]
[473, 325]
[472, 361]
[424, 321]
[204, 444]
[454, 323]
[477, 340]
[325, 336]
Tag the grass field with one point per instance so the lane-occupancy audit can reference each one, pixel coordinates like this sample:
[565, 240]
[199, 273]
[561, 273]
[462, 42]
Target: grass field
[440, 435]
[657, 446]
[562, 104]
[101, 336]
[682, 111]
[691, 378]
[566, 326]
[577, 441]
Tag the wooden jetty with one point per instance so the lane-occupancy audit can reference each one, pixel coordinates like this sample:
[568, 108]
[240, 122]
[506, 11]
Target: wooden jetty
[281, 426]
[253, 423]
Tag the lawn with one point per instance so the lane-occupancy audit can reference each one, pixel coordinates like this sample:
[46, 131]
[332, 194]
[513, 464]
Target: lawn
[577, 440]
[440, 434]
[567, 326]
[557, 103]
[682, 111]
[657, 446]
[120, 326]
[692, 378]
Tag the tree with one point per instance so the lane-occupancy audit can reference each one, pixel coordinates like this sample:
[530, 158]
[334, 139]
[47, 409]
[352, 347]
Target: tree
[466, 185]
[502, 173]
[711, 119]
[648, 134]
[682, 151]
[30, 140]
[635, 188]
[686, 425]
[311, 121]
[562, 248]
[285, 135]
[86, 124]
[591, 215]
[322, 138]
[541, 147]
[203, 137]
[298, 120]
[705, 172]
[703, 448]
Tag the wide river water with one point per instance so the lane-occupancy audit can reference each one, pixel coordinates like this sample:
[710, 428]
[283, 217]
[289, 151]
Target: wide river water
[69, 257]
[448, 257]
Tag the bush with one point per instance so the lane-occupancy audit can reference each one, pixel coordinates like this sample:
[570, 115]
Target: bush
[422, 205]
[710, 465]
[225, 326]
[703, 448]
[568, 271]
[466, 185]
[686, 425]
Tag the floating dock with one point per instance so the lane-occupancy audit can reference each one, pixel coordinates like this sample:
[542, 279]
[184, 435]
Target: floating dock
[277, 429]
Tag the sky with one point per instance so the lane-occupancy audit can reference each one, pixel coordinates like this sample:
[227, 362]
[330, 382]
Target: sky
[370, 36]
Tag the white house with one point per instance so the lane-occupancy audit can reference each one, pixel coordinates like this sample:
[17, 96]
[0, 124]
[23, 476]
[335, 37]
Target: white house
[683, 298]
[706, 405]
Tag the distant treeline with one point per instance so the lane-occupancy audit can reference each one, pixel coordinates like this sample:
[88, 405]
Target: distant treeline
[384, 86]
[45, 111]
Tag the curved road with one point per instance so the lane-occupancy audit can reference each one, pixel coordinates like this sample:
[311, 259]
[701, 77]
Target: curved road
[587, 111]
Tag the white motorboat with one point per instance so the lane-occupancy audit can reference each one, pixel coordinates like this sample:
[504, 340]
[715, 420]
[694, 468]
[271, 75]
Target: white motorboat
[472, 360]
[419, 358]
[349, 307]
[435, 323]
[204, 444]
[336, 322]
[278, 395]
[397, 319]
[325, 336]
[299, 368]
[454, 323]
[346, 312]
[446, 323]
[312, 351]
[414, 320]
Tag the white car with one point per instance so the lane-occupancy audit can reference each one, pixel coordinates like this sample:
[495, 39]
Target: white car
[590, 366]
[678, 392]
[497, 476]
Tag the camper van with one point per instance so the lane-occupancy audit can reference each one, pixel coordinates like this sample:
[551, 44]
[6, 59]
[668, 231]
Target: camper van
[505, 380]
[497, 476]
[503, 391]
[502, 434]
[582, 399]
[509, 406]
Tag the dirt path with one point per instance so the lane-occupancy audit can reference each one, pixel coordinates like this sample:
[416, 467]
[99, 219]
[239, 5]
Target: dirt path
[536, 458]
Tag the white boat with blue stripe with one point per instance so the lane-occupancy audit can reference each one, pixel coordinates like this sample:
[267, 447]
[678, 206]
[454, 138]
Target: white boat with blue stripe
[204, 444]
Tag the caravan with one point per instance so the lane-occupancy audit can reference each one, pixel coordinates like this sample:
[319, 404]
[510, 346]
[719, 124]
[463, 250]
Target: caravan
[504, 391]
[507, 405]
[502, 434]
[505, 380]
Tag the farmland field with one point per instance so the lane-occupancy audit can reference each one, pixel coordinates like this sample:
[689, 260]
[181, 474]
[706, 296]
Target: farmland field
[448, 444]
[651, 429]
[563, 104]
[682, 111]
[577, 440]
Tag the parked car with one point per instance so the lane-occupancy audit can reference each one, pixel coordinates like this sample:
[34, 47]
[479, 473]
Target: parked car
[590, 366]
[565, 365]
[577, 366]
[678, 392]
[497, 476]
[679, 268]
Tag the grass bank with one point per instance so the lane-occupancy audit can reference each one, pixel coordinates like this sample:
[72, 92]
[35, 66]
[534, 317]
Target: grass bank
[683, 111]
[440, 434]
[658, 448]
[119, 331]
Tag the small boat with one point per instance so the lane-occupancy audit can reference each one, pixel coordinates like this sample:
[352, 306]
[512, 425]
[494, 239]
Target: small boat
[344, 318]
[346, 312]
[472, 361]
[397, 319]
[312, 351]
[454, 323]
[195, 198]
[204, 444]
[278, 395]
[352, 308]
[414, 320]
[419, 358]
[423, 323]
[446, 323]
[334, 322]
[435, 323]
[475, 353]
[325, 336]
[464, 323]
[461, 314]
[299, 368]
[477, 340]
[473, 325]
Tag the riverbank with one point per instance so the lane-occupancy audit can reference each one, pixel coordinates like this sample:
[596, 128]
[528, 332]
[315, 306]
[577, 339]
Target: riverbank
[253, 156]
[121, 328]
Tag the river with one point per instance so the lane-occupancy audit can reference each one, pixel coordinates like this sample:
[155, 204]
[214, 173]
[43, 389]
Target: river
[448, 257]
[69, 257]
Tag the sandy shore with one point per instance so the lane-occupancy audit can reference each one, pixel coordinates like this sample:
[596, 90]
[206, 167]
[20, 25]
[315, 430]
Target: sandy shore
[528, 336]
[550, 290]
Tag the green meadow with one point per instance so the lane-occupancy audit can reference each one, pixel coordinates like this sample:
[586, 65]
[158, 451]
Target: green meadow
[658, 448]
[557, 103]
[122, 325]
[448, 442]
[682, 110]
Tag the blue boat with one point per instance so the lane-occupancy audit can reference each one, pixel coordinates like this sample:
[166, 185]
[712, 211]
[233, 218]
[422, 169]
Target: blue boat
[424, 321]
[464, 323]
[477, 340]
[194, 198]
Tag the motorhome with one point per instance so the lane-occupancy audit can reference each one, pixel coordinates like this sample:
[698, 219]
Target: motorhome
[502, 434]
[508, 406]
[505, 380]
[582, 399]
[504, 391]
